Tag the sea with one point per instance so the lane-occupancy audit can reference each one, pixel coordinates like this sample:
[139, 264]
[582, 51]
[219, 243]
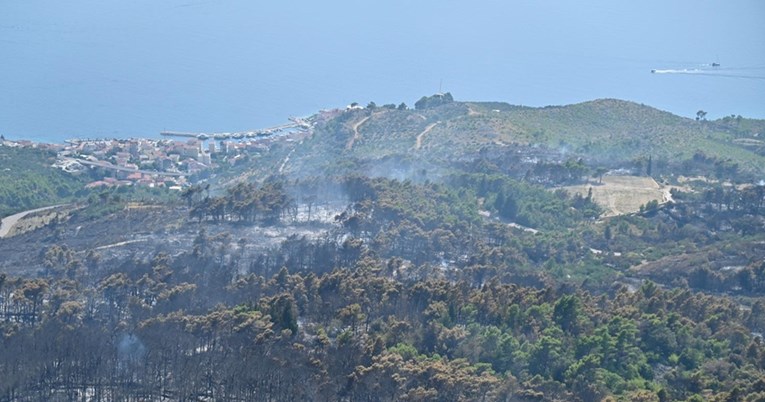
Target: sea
[119, 69]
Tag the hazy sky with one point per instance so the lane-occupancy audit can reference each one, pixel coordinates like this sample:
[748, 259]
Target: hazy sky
[122, 68]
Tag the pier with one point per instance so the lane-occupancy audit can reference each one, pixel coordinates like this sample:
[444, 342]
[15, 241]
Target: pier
[294, 123]
[179, 134]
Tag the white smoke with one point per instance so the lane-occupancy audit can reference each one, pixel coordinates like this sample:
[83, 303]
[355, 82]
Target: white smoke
[130, 349]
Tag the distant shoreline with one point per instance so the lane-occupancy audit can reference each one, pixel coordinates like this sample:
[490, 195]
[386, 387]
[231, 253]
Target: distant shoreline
[63, 140]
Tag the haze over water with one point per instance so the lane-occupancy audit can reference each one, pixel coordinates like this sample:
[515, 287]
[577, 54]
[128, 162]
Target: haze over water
[107, 68]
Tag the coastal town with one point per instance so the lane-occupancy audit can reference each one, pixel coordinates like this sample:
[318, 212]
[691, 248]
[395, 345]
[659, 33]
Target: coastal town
[168, 162]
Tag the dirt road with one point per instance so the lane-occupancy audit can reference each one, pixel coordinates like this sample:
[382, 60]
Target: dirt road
[10, 221]
[422, 134]
[356, 134]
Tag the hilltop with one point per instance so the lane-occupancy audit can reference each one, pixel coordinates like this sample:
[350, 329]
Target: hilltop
[607, 132]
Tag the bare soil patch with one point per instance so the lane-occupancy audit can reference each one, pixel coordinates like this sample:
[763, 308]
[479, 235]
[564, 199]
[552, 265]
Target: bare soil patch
[619, 195]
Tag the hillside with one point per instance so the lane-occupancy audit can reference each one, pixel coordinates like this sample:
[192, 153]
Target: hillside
[618, 130]
[454, 252]
[604, 131]
[28, 181]
[379, 289]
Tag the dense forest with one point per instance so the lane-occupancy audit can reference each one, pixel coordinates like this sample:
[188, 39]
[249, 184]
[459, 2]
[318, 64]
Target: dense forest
[476, 276]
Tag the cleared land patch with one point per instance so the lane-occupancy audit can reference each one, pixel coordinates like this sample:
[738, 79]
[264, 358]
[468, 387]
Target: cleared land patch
[620, 195]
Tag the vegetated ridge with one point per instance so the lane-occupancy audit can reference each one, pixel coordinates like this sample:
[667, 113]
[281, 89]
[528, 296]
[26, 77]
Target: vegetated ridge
[603, 131]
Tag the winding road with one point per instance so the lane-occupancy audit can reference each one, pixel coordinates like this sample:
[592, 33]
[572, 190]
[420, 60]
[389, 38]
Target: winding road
[107, 165]
[422, 134]
[10, 221]
[356, 134]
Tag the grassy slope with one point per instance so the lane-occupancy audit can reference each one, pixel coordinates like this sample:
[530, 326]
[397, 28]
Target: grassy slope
[605, 129]
[619, 129]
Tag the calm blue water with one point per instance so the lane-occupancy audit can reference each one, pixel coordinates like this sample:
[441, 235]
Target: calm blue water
[133, 68]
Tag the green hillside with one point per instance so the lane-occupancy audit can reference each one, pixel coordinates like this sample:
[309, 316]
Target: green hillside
[617, 129]
[27, 180]
[604, 130]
